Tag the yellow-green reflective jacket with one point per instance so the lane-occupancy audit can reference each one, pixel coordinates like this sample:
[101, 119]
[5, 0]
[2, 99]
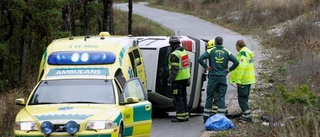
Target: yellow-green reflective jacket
[184, 67]
[244, 73]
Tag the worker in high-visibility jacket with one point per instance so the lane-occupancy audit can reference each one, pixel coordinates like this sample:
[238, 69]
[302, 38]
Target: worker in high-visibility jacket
[219, 58]
[244, 76]
[211, 44]
[179, 78]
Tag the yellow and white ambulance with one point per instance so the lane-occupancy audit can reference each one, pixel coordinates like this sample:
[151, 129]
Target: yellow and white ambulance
[89, 86]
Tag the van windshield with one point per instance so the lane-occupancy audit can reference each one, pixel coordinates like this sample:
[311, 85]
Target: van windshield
[74, 91]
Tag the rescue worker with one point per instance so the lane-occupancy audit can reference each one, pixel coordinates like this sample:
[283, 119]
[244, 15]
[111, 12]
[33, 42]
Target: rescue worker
[179, 78]
[211, 45]
[219, 58]
[244, 76]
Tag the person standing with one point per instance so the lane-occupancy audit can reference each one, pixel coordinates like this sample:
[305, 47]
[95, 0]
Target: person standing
[179, 78]
[211, 44]
[219, 58]
[243, 76]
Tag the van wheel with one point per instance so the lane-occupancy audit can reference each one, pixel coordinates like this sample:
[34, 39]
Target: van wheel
[200, 108]
[159, 114]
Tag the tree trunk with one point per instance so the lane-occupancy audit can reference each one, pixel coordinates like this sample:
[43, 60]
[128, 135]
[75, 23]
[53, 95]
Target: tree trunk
[108, 16]
[66, 17]
[7, 14]
[23, 52]
[1, 64]
[130, 18]
[86, 18]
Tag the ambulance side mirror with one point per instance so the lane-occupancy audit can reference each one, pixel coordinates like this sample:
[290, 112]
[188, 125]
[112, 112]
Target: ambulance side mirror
[130, 100]
[20, 102]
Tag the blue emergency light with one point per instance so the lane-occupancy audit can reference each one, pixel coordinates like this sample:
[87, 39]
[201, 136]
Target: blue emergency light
[81, 58]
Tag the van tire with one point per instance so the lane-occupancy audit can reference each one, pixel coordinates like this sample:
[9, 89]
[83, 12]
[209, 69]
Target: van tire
[159, 113]
[199, 109]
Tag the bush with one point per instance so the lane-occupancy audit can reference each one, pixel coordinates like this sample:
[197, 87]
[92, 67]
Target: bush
[300, 95]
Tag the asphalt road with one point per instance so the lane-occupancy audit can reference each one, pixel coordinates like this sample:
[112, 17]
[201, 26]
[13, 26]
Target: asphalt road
[191, 26]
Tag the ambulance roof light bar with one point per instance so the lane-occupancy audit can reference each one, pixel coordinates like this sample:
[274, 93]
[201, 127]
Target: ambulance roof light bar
[81, 58]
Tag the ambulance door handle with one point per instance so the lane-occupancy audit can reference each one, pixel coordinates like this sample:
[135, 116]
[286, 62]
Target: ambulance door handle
[147, 107]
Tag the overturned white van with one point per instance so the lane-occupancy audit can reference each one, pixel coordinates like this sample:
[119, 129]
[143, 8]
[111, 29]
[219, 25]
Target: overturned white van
[155, 51]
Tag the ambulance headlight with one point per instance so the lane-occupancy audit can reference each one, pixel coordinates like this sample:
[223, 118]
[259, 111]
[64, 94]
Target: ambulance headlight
[81, 58]
[26, 126]
[96, 125]
[72, 127]
[47, 127]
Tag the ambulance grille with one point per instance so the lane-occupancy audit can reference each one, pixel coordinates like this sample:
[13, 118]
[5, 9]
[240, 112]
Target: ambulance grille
[60, 128]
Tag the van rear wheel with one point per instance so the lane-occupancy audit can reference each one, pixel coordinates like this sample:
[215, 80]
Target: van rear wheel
[159, 113]
[200, 108]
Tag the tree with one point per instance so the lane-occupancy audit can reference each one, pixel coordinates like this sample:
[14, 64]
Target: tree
[130, 18]
[28, 26]
[107, 16]
[32, 26]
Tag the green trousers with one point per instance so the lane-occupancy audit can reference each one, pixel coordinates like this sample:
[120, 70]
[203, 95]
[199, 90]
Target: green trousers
[216, 85]
[243, 97]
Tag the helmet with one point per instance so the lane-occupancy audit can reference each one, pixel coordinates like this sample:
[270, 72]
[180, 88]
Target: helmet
[174, 40]
[219, 40]
[210, 44]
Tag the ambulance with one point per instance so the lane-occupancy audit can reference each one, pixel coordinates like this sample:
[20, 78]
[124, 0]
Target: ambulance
[89, 86]
[155, 51]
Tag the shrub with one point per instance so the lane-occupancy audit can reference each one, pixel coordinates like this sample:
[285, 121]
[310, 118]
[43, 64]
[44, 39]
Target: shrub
[301, 95]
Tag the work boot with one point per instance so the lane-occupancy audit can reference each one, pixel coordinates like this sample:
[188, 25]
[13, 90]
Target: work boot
[205, 119]
[178, 120]
[244, 119]
[187, 115]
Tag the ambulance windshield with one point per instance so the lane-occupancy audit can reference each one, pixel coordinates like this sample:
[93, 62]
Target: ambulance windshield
[74, 91]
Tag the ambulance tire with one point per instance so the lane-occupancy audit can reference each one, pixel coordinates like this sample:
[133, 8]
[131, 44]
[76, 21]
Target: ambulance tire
[121, 131]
